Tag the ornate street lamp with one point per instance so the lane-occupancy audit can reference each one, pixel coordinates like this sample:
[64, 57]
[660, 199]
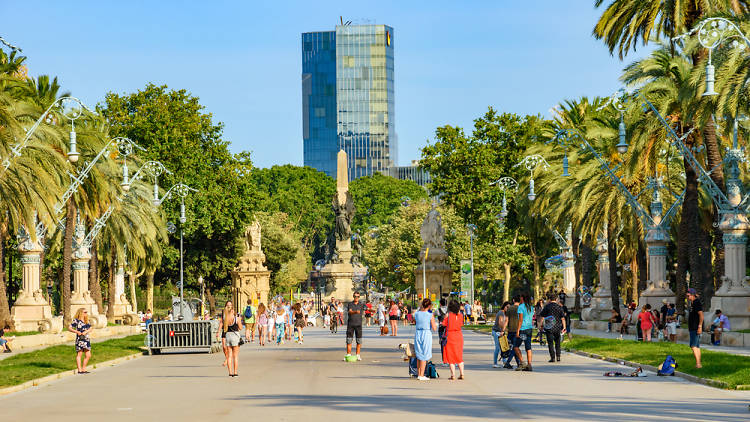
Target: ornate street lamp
[531, 162]
[711, 33]
[505, 183]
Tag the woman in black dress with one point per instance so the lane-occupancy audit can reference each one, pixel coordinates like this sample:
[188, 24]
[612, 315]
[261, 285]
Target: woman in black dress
[81, 328]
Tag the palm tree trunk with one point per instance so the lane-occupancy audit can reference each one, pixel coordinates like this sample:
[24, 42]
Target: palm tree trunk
[714, 161]
[687, 233]
[133, 297]
[111, 289]
[70, 223]
[577, 269]
[614, 281]
[94, 286]
[642, 261]
[150, 291]
[4, 306]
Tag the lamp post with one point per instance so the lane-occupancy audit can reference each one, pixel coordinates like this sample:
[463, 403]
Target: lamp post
[531, 163]
[712, 32]
[505, 183]
[182, 190]
[472, 228]
[47, 117]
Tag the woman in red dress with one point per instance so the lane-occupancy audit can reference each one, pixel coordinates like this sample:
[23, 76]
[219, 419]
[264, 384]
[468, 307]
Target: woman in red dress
[454, 347]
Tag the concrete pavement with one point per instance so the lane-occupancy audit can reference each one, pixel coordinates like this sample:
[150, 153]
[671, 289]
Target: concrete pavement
[311, 383]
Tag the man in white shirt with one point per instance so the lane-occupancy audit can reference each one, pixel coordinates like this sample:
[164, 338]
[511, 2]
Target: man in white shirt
[381, 317]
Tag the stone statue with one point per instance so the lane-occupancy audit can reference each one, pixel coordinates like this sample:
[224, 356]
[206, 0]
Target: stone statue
[344, 215]
[433, 235]
[252, 237]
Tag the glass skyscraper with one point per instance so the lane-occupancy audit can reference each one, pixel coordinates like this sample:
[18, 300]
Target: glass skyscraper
[348, 99]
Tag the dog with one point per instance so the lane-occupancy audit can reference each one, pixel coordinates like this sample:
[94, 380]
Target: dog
[408, 349]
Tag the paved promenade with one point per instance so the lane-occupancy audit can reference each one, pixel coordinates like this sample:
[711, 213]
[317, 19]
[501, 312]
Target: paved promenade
[311, 383]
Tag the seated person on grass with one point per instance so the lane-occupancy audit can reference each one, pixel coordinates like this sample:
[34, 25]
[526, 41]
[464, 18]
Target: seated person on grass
[5, 341]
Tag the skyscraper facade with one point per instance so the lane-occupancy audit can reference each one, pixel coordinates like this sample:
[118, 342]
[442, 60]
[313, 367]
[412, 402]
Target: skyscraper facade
[348, 99]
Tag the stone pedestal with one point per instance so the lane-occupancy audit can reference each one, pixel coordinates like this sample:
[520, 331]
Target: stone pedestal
[340, 273]
[569, 280]
[733, 297]
[658, 287]
[81, 296]
[122, 309]
[601, 303]
[438, 274]
[250, 285]
[31, 311]
[250, 278]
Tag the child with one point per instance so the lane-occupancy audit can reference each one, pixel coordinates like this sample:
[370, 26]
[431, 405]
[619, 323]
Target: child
[5, 341]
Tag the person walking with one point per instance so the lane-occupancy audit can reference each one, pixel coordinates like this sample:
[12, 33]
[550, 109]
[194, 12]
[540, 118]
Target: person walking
[553, 321]
[299, 322]
[355, 310]
[524, 330]
[81, 328]
[498, 331]
[250, 316]
[511, 312]
[280, 320]
[232, 327]
[467, 313]
[368, 312]
[262, 324]
[695, 324]
[271, 319]
[223, 334]
[425, 324]
[381, 317]
[646, 318]
[454, 345]
[393, 318]
[442, 312]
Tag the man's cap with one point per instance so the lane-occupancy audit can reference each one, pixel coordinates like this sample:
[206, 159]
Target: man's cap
[692, 291]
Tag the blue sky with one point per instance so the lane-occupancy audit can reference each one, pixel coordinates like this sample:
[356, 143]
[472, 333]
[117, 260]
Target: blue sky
[452, 59]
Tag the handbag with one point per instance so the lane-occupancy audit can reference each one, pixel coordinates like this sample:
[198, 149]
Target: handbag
[504, 345]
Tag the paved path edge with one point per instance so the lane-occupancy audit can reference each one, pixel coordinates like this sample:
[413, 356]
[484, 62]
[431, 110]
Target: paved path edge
[688, 377]
[49, 378]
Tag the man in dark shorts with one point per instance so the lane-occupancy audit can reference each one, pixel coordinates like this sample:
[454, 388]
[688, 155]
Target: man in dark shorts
[512, 314]
[695, 324]
[354, 310]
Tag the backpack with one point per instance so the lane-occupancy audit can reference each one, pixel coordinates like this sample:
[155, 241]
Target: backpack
[667, 367]
[248, 312]
[549, 322]
[430, 371]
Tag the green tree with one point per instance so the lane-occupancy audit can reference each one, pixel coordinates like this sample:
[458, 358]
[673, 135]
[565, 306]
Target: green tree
[377, 197]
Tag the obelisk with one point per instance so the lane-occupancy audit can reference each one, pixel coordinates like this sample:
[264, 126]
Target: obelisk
[340, 270]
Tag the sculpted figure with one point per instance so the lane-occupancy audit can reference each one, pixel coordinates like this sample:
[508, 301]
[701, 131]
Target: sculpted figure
[344, 215]
[432, 230]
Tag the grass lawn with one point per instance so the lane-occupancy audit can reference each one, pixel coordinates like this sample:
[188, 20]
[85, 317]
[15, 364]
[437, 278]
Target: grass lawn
[20, 333]
[55, 359]
[731, 369]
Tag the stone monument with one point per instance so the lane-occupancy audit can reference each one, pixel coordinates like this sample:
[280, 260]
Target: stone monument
[339, 270]
[31, 311]
[250, 278]
[733, 296]
[122, 309]
[433, 271]
[657, 237]
[81, 296]
[601, 303]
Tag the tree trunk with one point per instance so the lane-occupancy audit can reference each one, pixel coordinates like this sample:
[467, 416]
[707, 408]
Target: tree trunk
[577, 268]
[132, 281]
[587, 266]
[70, 224]
[150, 291]
[714, 161]
[642, 260]
[614, 281]
[94, 286]
[506, 284]
[688, 237]
[111, 289]
[212, 300]
[4, 306]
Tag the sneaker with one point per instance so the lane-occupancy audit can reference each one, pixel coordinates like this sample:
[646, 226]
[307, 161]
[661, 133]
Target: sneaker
[558, 358]
[359, 358]
[423, 378]
[552, 360]
[608, 331]
[6, 351]
[507, 366]
[527, 368]
[496, 366]
[521, 367]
